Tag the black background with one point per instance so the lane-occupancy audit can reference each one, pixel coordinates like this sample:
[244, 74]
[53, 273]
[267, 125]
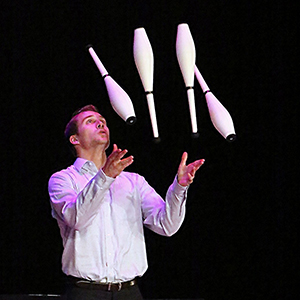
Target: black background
[238, 240]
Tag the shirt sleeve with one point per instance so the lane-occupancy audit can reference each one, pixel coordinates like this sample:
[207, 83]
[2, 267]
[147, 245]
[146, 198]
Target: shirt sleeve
[77, 210]
[164, 217]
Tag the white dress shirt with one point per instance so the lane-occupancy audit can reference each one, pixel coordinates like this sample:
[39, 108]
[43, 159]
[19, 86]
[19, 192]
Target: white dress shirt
[101, 220]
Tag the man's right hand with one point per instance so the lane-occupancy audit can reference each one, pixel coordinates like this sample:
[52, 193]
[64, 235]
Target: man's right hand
[115, 164]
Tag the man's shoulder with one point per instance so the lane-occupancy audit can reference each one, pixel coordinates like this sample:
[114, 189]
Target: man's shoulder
[63, 172]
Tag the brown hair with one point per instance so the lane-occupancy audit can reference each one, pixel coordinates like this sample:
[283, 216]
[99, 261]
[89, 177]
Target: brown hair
[72, 127]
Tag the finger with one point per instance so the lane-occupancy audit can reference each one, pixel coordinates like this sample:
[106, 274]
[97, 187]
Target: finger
[183, 159]
[122, 153]
[198, 163]
[126, 161]
[114, 152]
[193, 171]
[193, 167]
[190, 178]
[201, 162]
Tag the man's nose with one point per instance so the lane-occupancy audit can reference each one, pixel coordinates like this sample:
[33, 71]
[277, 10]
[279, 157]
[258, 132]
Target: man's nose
[100, 124]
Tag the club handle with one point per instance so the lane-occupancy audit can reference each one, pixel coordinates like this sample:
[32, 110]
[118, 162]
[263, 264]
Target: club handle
[151, 107]
[192, 107]
[201, 80]
[97, 61]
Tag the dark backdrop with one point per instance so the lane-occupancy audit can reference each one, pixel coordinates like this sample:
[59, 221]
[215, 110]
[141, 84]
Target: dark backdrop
[238, 240]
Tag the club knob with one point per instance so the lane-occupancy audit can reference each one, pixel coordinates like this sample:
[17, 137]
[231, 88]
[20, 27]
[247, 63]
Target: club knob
[231, 138]
[156, 140]
[131, 120]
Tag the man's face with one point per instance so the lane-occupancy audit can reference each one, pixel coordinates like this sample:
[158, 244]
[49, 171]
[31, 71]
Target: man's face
[92, 130]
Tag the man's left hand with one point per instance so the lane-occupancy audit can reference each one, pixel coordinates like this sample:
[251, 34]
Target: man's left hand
[186, 173]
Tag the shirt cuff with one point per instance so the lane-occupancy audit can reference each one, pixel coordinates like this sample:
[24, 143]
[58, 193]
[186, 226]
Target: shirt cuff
[102, 180]
[178, 188]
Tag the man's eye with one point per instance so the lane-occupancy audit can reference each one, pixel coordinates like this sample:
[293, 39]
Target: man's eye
[89, 121]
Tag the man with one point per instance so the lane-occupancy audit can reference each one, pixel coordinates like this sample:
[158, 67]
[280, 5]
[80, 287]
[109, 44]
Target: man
[101, 210]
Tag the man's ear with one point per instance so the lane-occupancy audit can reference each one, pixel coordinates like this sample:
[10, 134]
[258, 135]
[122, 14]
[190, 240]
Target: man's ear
[73, 140]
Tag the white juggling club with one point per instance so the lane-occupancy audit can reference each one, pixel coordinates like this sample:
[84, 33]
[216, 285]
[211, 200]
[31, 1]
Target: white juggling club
[144, 61]
[219, 116]
[186, 56]
[119, 99]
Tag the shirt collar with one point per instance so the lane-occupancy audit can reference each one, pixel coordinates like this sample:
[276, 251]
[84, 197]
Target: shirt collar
[84, 165]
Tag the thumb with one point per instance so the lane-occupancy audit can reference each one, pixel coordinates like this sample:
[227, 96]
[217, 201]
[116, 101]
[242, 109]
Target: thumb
[183, 159]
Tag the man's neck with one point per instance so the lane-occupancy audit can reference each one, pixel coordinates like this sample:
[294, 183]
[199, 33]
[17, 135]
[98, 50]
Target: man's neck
[97, 157]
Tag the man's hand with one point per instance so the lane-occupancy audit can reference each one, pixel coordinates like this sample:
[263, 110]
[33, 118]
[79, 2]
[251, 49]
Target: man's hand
[186, 173]
[115, 164]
